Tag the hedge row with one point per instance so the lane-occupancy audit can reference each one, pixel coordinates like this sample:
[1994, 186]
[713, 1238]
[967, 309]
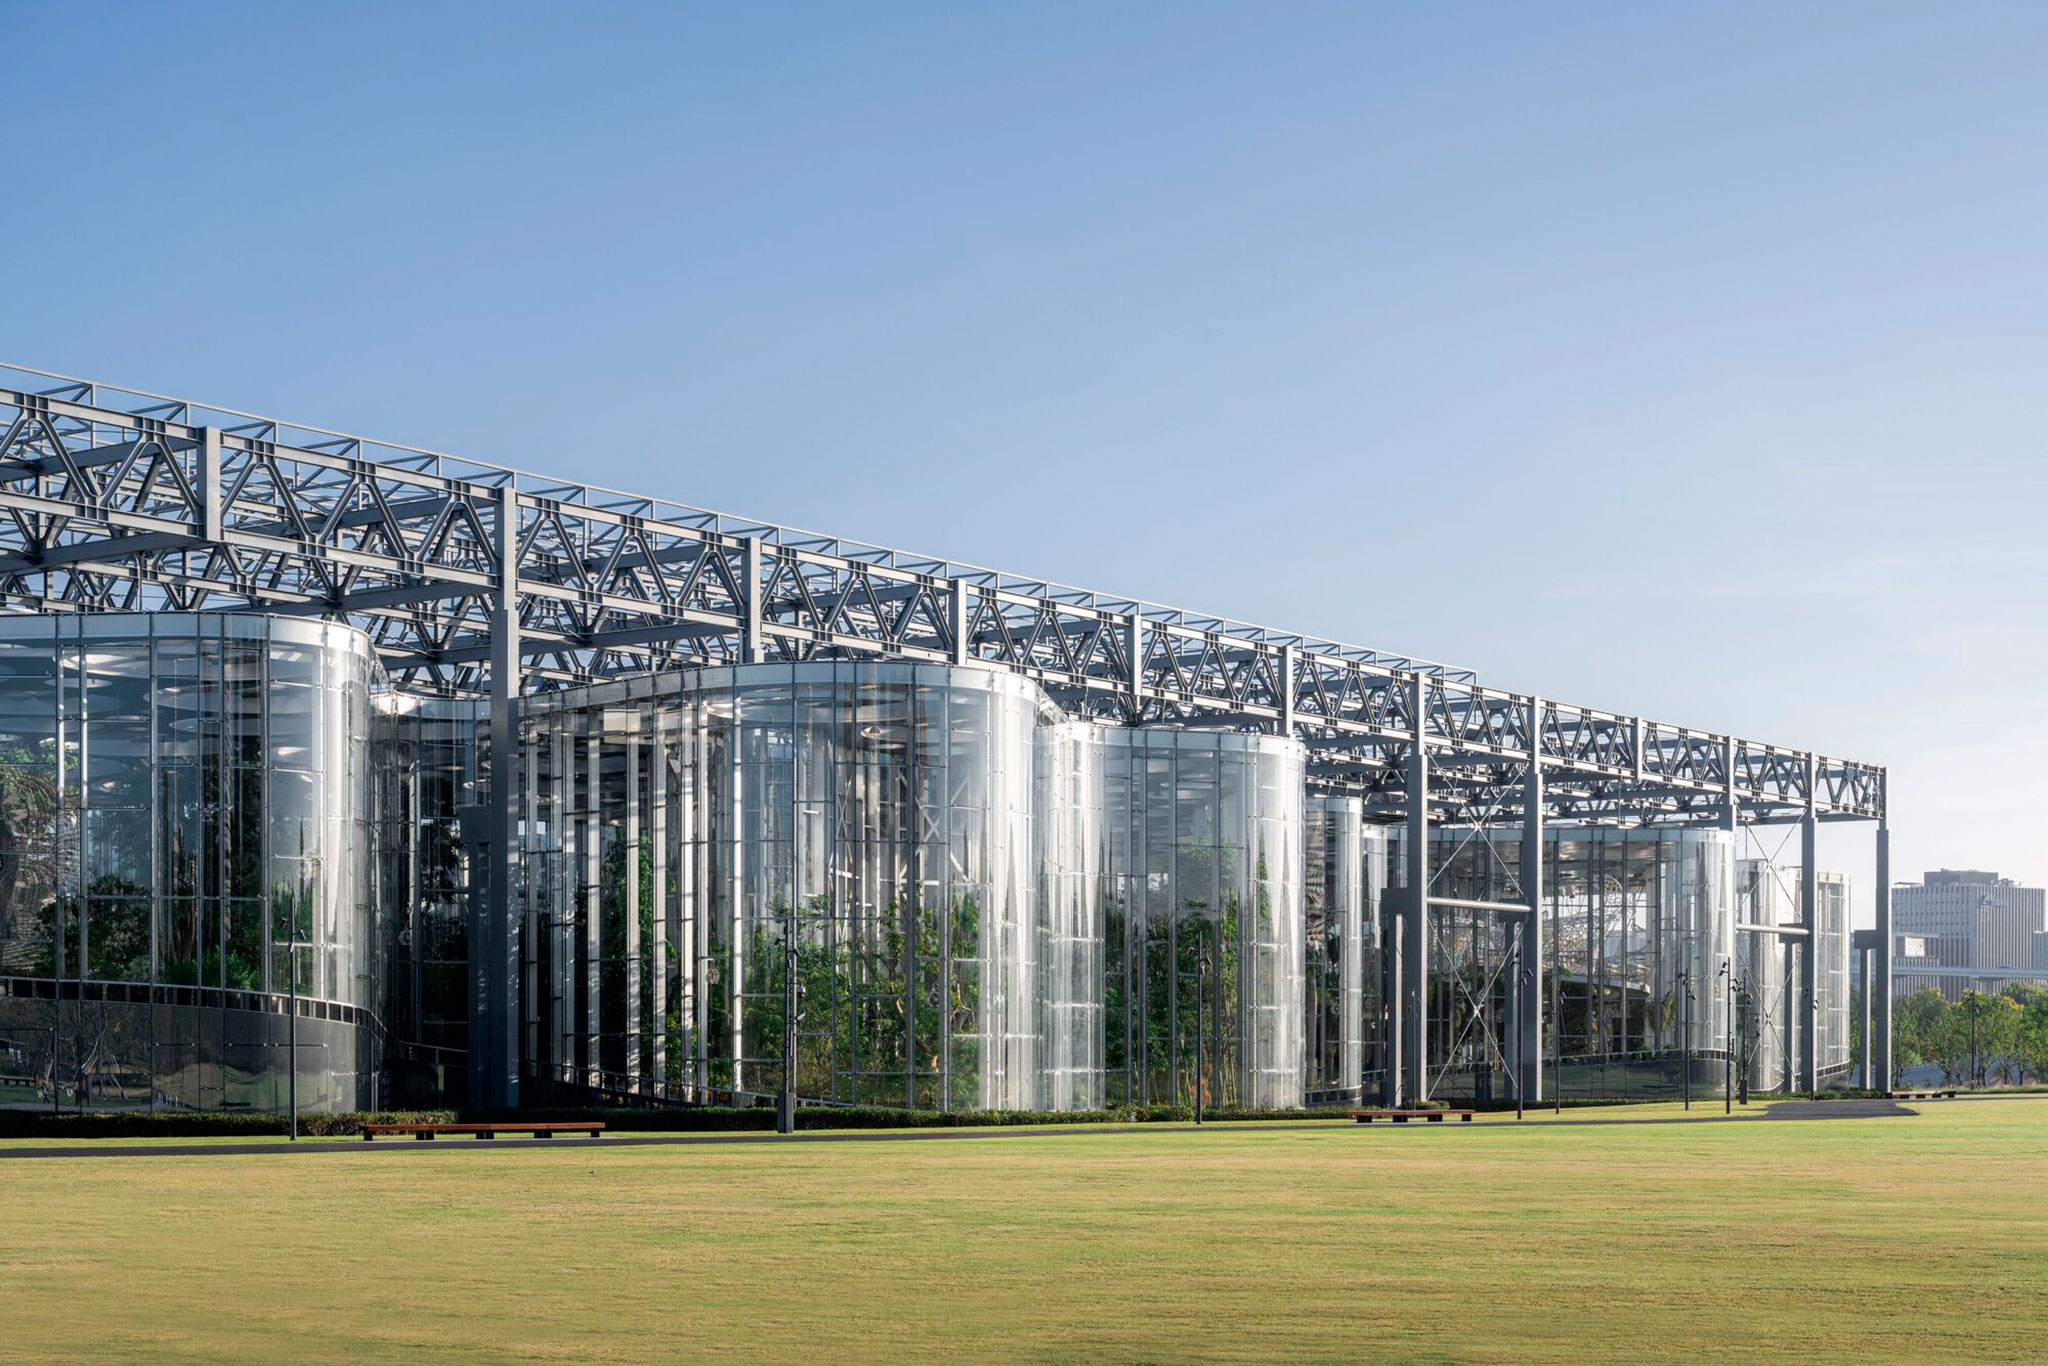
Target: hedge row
[692, 1119]
[714, 1118]
[200, 1124]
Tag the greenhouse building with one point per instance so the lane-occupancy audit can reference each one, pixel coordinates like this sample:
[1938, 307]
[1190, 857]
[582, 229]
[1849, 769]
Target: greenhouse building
[349, 776]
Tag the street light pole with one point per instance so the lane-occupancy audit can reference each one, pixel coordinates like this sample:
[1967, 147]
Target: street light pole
[785, 1110]
[1971, 1080]
[1728, 1038]
[1522, 975]
[292, 972]
[1201, 1008]
[1685, 1025]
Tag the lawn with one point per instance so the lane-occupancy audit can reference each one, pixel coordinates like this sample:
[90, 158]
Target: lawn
[1917, 1237]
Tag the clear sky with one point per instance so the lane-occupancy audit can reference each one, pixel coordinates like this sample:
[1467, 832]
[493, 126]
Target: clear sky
[1683, 360]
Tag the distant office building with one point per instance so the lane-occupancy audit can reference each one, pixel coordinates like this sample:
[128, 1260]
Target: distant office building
[2041, 950]
[1971, 920]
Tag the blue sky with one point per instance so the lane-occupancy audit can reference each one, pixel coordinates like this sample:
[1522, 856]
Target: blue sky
[1684, 360]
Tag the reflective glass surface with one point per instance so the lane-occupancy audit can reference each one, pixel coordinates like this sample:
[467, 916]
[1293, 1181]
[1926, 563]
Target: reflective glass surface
[859, 832]
[184, 847]
[1203, 918]
[1638, 942]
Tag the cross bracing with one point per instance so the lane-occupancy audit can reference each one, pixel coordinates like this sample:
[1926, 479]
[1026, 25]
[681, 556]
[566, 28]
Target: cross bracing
[115, 499]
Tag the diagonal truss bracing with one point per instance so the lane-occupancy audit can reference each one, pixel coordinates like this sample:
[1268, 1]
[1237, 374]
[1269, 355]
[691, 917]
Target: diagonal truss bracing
[116, 500]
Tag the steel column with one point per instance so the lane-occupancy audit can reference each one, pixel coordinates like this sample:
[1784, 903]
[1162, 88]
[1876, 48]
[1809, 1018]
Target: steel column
[593, 900]
[658, 924]
[1529, 986]
[961, 611]
[1415, 946]
[211, 520]
[498, 1049]
[753, 646]
[630, 900]
[1808, 950]
[1135, 646]
[1880, 991]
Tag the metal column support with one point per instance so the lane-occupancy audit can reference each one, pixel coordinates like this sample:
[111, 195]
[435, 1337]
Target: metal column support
[1808, 948]
[962, 611]
[1414, 997]
[1880, 990]
[630, 900]
[1863, 953]
[1529, 987]
[1734, 1038]
[531, 897]
[494, 1067]
[210, 510]
[753, 646]
[1134, 644]
[658, 951]
[1287, 667]
[593, 902]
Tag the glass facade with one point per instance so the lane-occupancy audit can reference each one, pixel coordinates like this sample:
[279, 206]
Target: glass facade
[1203, 918]
[1071, 837]
[867, 827]
[431, 763]
[1343, 893]
[185, 847]
[1637, 930]
[1771, 983]
[967, 899]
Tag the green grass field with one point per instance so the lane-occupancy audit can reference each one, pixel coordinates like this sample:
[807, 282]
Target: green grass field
[1879, 1238]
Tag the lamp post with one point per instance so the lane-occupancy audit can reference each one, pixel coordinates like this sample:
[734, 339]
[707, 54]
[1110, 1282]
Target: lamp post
[1685, 1028]
[785, 1110]
[1742, 1028]
[1971, 1080]
[1201, 1003]
[291, 963]
[1728, 1037]
[1522, 976]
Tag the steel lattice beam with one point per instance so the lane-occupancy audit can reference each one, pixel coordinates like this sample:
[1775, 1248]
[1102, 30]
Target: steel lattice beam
[112, 499]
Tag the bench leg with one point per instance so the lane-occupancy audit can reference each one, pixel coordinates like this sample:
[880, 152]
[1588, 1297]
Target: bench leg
[367, 1136]
[543, 1133]
[1464, 1119]
[1436, 1119]
[423, 1138]
[487, 1134]
[1400, 1119]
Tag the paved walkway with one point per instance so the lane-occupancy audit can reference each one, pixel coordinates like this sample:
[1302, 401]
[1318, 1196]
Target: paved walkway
[1781, 1110]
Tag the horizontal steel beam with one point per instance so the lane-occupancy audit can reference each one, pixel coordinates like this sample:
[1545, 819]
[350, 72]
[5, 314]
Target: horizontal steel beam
[232, 511]
[1459, 903]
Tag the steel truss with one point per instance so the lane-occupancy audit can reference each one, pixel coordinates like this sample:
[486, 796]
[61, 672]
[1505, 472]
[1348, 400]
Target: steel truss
[474, 579]
[119, 500]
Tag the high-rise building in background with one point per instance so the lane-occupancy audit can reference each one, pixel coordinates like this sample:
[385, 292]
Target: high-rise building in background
[1968, 919]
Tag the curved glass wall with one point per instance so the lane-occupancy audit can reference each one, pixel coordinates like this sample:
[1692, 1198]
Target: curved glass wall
[185, 847]
[699, 844]
[1069, 830]
[1638, 931]
[1203, 918]
[1345, 877]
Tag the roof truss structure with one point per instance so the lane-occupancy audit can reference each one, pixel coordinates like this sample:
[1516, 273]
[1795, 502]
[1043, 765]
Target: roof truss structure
[117, 500]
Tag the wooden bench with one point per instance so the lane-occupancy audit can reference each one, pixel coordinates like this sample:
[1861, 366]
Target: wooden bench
[1403, 1116]
[1923, 1095]
[538, 1128]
